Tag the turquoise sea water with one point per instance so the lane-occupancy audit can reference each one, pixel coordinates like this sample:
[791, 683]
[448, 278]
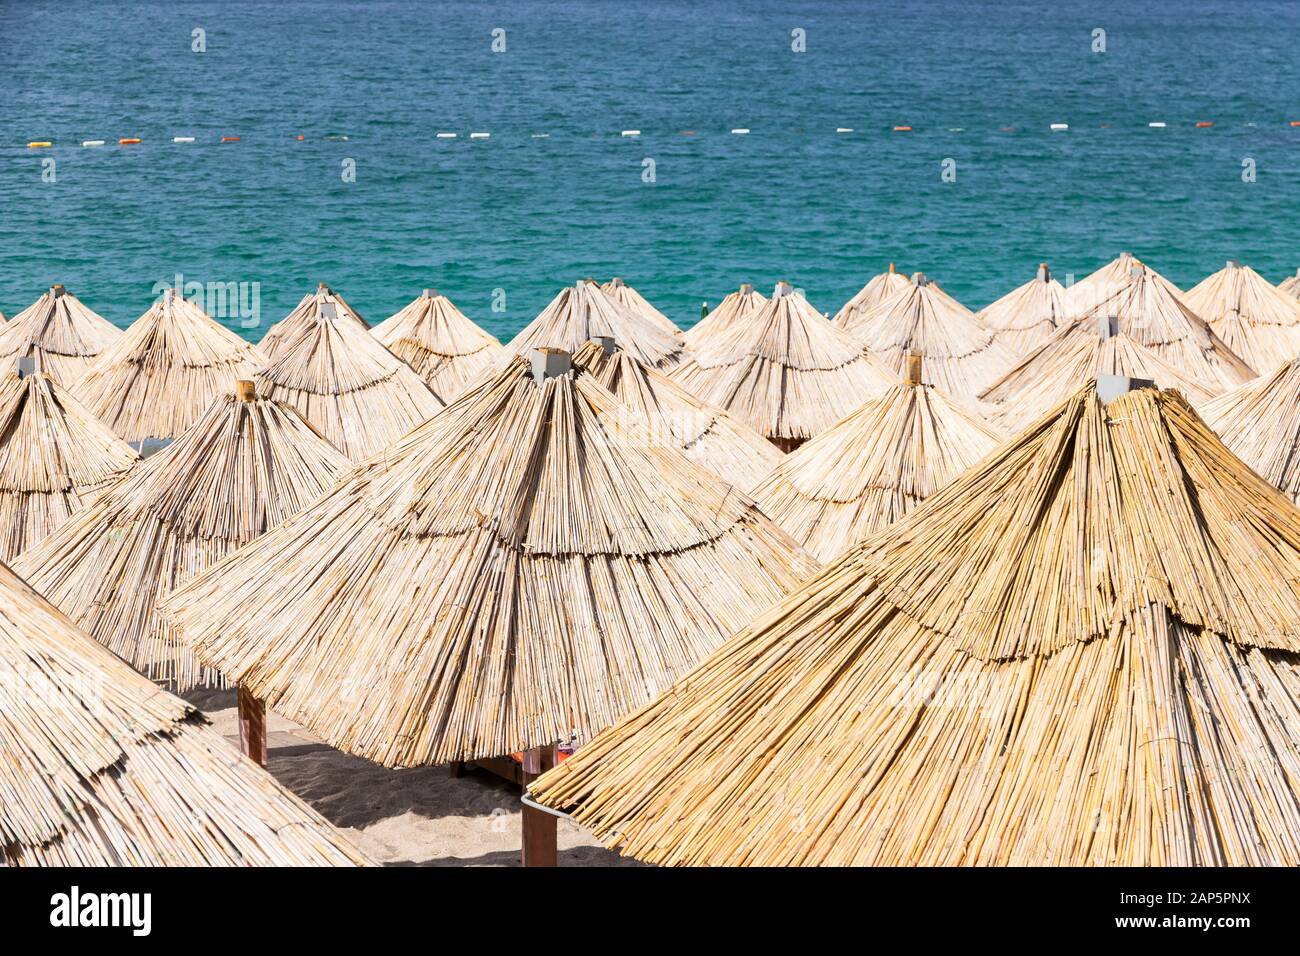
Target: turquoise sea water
[526, 215]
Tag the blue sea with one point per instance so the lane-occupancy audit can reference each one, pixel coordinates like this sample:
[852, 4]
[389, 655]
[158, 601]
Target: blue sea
[686, 210]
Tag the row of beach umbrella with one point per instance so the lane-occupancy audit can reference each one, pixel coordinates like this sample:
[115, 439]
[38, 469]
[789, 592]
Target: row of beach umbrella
[426, 546]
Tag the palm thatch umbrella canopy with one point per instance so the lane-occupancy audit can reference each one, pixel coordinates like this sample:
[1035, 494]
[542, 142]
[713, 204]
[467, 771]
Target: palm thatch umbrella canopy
[359, 395]
[1027, 316]
[1083, 652]
[873, 467]
[1098, 286]
[881, 287]
[436, 339]
[165, 371]
[785, 371]
[706, 435]
[733, 308]
[101, 768]
[518, 570]
[54, 456]
[635, 302]
[1260, 422]
[303, 314]
[583, 312]
[244, 467]
[60, 333]
[1257, 321]
[1291, 285]
[961, 356]
[1076, 354]
[1152, 312]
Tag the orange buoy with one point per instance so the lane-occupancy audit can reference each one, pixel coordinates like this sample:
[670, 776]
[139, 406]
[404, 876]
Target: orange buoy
[230, 139]
[301, 137]
[902, 129]
[1202, 124]
[1295, 122]
[128, 141]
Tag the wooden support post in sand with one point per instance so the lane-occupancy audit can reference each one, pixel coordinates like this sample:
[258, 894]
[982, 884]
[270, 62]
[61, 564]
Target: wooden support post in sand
[252, 726]
[539, 833]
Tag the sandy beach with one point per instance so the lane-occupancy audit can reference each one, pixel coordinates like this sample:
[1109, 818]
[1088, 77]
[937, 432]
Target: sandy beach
[417, 817]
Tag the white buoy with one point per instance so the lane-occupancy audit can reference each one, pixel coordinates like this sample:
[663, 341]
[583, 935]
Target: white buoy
[479, 135]
[92, 142]
[541, 136]
[1156, 125]
[1059, 126]
[739, 131]
[630, 132]
[844, 129]
[446, 136]
[182, 139]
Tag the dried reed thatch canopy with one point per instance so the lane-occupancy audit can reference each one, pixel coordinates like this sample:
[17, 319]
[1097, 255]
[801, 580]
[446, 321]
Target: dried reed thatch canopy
[785, 371]
[1253, 318]
[1260, 422]
[1083, 652]
[54, 456]
[583, 312]
[247, 465]
[873, 467]
[706, 435]
[1291, 285]
[1096, 287]
[444, 347]
[1152, 312]
[303, 315]
[1027, 316]
[733, 308]
[100, 768]
[1075, 354]
[165, 371]
[359, 395]
[877, 290]
[961, 356]
[635, 302]
[517, 570]
[60, 333]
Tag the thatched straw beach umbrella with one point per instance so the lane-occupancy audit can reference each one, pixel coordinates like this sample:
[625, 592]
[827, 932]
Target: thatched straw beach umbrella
[873, 467]
[1152, 312]
[881, 287]
[1291, 285]
[1076, 354]
[706, 435]
[1253, 318]
[101, 768]
[165, 371]
[303, 315]
[517, 571]
[583, 312]
[784, 370]
[1100, 285]
[961, 356]
[444, 347]
[635, 302]
[244, 467]
[54, 456]
[1027, 316]
[359, 395]
[60, 333]
[733, 308]
[1082, 652]
[1260, 422]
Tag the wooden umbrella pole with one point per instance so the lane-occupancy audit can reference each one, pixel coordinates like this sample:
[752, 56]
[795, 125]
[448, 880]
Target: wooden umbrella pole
[252, 726]
[539, 827]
